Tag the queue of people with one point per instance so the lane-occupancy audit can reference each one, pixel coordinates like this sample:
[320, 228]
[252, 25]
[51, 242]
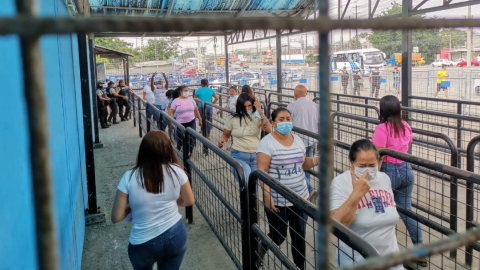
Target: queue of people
[363, 198]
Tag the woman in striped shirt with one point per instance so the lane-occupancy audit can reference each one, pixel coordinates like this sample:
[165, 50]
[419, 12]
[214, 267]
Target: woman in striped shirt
[281, 154]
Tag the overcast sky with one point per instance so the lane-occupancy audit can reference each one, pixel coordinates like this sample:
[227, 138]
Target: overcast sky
[357, 8]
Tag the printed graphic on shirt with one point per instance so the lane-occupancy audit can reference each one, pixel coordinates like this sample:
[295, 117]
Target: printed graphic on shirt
[379, 200]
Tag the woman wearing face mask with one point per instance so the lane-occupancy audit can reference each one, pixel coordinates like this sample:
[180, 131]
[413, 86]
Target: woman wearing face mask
[281, 154]
[245, 126]
[394, 133]
[362, 199]
[186, 110]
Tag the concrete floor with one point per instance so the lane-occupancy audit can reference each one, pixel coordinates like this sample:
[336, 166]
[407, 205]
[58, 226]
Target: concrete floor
[106, 244]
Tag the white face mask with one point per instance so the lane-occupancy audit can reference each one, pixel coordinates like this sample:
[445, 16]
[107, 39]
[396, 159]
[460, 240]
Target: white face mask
[185, 94]
[372, 172]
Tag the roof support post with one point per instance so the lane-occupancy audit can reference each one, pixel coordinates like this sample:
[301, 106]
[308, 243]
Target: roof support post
[93, 79]
[227, 58]
[278, 39]
[372, 13]
[406, 56]
[325, 166]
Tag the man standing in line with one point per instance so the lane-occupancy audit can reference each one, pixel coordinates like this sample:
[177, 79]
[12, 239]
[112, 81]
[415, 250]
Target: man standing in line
[102, 103]
[305, 115]
[441, 74]
[205, 94]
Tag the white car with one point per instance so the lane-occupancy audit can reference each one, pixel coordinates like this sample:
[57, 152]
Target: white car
[441, 62]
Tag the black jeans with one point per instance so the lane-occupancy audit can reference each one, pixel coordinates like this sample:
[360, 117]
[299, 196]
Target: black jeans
[114, 107]
[124, 103]
[289, 217]
[102, 114]
[192, 124]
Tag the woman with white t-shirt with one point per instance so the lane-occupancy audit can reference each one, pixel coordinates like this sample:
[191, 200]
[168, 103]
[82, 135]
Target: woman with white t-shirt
[362, 199]
[281, 154]
[152, 192]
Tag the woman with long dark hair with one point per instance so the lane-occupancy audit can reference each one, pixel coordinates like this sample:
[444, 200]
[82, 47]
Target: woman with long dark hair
[394, 133]
[246, 127]
[152, 192]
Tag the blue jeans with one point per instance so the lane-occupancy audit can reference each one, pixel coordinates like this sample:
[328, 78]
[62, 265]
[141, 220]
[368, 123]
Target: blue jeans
[167, 250]
[307, 175]
[403, 180]
[247, 160]
[208, 117]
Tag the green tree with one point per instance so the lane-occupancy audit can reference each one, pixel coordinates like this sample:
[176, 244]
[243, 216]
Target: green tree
[161, 48]
[457, 38]
[428, 41]
[117, 44]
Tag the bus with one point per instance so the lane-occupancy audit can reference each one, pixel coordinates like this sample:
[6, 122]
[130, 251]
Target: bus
[364, 59]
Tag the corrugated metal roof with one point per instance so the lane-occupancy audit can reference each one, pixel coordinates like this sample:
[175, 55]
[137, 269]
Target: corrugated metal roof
[198, 7]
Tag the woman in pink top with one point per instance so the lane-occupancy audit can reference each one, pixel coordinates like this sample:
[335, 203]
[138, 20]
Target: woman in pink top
[394, 133]
[185, 109]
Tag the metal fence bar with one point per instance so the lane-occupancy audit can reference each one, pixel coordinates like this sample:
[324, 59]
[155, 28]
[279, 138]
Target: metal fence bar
[411, 255]
[39, 150]
[244, 213]
[339, 230]
[30, 26]
[470, 194]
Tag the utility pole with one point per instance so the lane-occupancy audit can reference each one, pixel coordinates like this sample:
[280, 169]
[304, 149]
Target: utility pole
[288, 44]
[339, 17]
[143, 52]
[469, 39]
[215, 52]
[350, 36]
[356, 29]
[199, 52]
[156, 51]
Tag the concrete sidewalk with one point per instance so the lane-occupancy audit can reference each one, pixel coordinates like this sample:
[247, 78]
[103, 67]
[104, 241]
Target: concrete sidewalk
[105, 245]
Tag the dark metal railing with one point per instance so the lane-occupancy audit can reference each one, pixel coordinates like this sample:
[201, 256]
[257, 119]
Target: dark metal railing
[339, 230]
[470, 196]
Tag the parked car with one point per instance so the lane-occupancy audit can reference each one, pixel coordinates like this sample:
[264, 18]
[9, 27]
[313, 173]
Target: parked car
[456, 61]
[441, 62]
[188, 72]
[464, 63]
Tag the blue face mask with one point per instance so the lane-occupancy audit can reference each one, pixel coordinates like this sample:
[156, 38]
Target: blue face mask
[250, 111]
[284, 127]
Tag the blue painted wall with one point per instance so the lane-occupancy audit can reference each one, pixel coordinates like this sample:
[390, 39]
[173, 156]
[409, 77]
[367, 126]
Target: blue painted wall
[66, 143]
